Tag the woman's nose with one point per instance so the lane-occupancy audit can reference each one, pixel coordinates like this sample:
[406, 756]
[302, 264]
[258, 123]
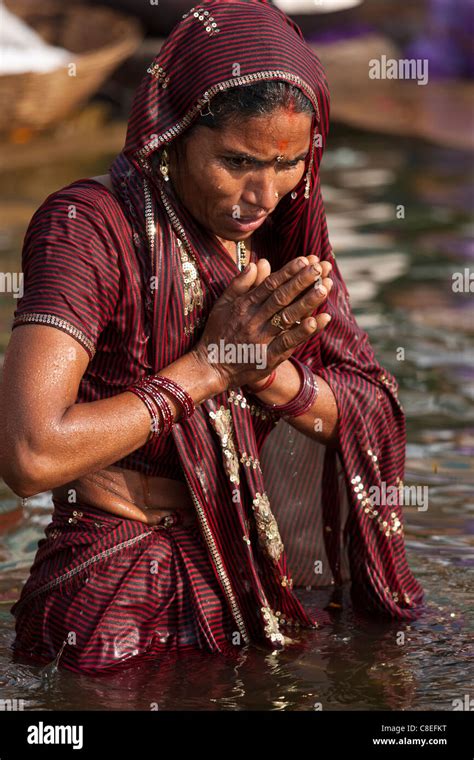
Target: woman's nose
[262, 193]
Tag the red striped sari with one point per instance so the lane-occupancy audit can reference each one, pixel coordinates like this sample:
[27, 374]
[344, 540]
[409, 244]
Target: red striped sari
[276, 510]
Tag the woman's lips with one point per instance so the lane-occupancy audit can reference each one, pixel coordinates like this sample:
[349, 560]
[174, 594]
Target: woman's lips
[246, 225]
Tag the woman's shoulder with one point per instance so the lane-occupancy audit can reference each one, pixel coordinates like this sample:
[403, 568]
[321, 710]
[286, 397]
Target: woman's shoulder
[93, 195]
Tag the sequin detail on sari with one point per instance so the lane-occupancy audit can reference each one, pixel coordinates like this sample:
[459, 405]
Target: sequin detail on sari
[268, 533]
[222, 423]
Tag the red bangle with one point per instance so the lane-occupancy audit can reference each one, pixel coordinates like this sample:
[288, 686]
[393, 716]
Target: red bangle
[157, 405]
[180, 395]
[150, 403]
[305, 397]
[266, 384]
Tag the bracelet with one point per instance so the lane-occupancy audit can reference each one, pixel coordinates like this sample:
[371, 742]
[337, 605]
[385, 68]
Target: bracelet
[181, 395]
[264, 387]
[146, 389]
[156, 428]
[305, 397]
[165, 410]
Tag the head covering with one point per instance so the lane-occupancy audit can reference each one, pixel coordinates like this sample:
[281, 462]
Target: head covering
[277, 509]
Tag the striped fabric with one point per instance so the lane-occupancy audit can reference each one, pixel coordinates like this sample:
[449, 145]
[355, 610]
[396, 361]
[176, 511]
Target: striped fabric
[275, 509]
[154, 594]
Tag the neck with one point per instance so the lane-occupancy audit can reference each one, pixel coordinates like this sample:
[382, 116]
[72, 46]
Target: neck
[231, 246]
[241, 257]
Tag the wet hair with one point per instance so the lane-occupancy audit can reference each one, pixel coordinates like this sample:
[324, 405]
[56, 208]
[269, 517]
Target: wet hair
[257, 99]
[239, 103]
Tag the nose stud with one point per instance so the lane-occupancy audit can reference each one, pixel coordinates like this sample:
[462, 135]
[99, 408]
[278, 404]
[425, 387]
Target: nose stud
[276, 195]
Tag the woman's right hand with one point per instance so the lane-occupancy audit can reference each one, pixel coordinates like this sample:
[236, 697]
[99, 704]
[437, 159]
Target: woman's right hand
[240, 343]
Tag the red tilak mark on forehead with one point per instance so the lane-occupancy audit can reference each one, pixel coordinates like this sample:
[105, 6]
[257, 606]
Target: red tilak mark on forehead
[290, 110]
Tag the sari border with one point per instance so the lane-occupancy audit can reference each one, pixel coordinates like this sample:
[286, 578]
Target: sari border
[218, 564]
[74, 571]
[52, 320]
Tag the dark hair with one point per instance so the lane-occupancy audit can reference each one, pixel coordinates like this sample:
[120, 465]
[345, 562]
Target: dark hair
[253, 100]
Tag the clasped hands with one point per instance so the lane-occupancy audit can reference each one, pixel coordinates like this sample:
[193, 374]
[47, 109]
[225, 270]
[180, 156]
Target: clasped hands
[243, 315]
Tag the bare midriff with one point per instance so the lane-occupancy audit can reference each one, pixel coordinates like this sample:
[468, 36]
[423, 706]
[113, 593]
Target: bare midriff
[131, 494]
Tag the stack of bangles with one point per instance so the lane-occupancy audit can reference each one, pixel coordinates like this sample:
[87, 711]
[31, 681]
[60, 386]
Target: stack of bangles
[305, 397]
[148, 390]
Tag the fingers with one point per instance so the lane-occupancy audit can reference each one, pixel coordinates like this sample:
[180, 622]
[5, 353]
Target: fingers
[279, 289]
[299, 296]
[305, 305]
[311, 300]
[285, 342]
[276, 279]
[263, 270]
[322, 320]
[320, 285]
[241, 284]
[286, 292]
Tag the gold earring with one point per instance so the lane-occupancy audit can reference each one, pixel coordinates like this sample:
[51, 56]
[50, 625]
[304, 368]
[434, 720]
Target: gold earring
[164, 165]
[308, 173]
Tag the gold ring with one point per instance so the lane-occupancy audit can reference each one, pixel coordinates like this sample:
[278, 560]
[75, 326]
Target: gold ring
[277, 321]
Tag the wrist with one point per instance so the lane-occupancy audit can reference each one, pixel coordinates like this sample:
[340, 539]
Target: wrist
[263, 384]
[305, 396]
[286, 377]
[211, 375]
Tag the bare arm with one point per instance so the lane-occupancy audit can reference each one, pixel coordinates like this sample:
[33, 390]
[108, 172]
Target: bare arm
[46, 439]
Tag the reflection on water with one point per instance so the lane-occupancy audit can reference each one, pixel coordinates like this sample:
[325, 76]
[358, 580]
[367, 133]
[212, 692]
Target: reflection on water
[399, 225]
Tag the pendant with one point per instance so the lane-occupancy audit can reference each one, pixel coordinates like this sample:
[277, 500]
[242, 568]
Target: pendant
[241, 254]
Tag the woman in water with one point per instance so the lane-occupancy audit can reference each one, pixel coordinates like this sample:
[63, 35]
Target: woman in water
[187, 377]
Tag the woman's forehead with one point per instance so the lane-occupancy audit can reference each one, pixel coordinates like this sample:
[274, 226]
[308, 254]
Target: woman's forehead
[261, 136]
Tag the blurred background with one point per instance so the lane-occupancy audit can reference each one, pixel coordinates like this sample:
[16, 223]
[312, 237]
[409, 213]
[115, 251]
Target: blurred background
[397, 183]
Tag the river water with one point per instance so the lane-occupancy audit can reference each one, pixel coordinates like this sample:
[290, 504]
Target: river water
[398, 215]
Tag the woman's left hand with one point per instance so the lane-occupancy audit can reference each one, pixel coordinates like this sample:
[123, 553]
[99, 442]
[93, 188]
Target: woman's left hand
[264, 269]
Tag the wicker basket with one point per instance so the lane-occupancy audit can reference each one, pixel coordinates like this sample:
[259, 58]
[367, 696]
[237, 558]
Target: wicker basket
[99, 39]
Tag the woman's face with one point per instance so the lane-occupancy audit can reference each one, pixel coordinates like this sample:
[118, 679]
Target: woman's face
[228, 178]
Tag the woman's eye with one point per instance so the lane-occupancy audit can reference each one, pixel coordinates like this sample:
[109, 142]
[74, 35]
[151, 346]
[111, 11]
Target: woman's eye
[237, 163]
[242, 163]
[296, 162]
